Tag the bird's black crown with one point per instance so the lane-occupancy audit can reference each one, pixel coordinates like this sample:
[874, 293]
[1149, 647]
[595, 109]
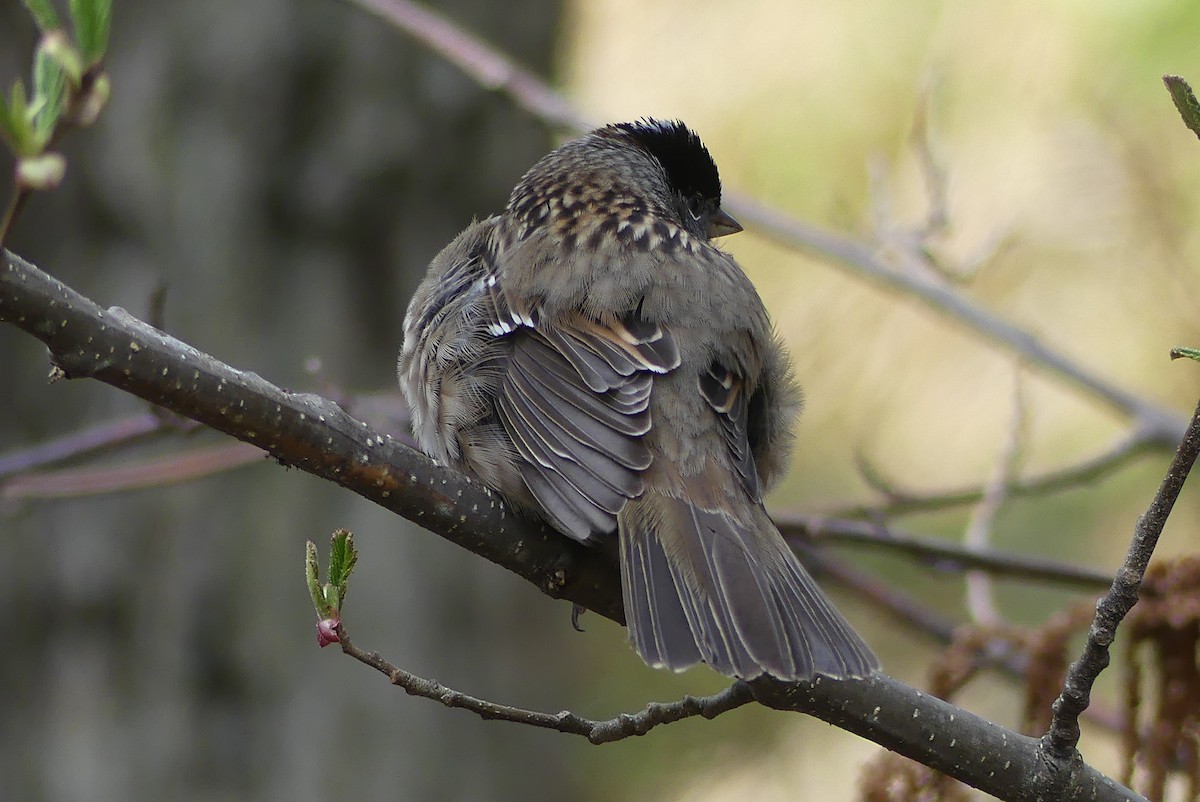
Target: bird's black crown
[690, 168]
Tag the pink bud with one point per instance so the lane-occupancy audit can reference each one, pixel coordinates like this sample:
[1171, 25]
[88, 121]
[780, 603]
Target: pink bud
[327, 631]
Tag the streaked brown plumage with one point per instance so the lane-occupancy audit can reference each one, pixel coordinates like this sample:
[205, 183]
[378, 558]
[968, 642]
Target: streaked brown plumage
[589, 354]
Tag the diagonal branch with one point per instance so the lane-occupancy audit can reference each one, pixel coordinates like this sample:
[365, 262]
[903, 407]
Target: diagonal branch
[1060, 741]
[300, 430]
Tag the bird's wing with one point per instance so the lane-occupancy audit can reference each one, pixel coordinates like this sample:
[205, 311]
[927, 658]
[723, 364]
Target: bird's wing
[575, 402]
[725, 390]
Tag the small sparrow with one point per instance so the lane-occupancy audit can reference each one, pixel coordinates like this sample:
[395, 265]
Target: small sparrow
[593, 357]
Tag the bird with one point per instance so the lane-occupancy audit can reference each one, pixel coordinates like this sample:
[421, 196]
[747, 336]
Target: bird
[590, 354]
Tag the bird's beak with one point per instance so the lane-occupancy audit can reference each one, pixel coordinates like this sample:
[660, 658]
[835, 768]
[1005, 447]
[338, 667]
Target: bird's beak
[722, 224]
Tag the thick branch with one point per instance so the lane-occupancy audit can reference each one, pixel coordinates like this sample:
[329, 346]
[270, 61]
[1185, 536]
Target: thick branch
[942, 736]
[301, 430]
[317, 436]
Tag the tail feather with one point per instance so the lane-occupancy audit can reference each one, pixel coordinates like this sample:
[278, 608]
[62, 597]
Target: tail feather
[704, 585]
[649, 595]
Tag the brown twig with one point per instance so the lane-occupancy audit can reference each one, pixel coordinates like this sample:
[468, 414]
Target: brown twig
[598, 732]
[12, 211]
[913, 614]
[486, 65]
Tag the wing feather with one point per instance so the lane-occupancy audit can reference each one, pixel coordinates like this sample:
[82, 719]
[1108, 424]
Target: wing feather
[575, 401]
[726, 393]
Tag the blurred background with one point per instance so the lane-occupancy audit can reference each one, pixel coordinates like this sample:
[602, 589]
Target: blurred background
[287, 170]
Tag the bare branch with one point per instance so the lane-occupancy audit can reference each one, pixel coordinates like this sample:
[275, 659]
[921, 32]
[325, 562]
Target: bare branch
[479, 60]
[942, 736]
[157, 472]
[1063, 736]
[937, 217]
[90, 442]
[301, 430]
[942, 554]
[911, 613]
[1160, 425]
[598, 732]
[899, 501]
[900, 606]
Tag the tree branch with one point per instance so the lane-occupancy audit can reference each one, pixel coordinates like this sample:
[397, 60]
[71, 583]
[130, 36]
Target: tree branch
[300, 430]
[317, 436]
[1063, 736]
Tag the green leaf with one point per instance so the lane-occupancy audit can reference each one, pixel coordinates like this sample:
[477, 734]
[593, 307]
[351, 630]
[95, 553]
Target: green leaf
[92, 20]
[342, 559]
[312, 574]
[16, 125]
[329, 597]
[49, 94]
[43, 14]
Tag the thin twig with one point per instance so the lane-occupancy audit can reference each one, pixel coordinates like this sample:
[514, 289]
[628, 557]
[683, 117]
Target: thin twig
[486, 65]
[89, 442]
[1160, 424]
[598, 732]
[184, 466]
[1063, 736]
[899, 501]
[13, 211]
[941, 554]
[900, 606]
[937, 217]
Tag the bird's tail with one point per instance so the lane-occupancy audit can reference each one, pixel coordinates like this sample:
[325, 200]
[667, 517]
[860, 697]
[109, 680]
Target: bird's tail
[724, 588]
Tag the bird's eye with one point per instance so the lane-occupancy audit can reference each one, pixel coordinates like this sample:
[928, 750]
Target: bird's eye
[695, 207]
